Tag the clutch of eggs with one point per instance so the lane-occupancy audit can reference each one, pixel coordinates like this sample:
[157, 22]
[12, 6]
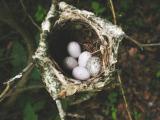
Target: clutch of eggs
[86, 65]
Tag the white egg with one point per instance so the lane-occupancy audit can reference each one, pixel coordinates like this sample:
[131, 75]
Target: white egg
[80, 73]
[74, 49]
[70, 63]
[94, 65]
[83, 58]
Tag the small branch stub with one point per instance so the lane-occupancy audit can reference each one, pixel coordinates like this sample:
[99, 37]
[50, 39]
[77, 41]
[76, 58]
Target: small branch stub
[95, 35]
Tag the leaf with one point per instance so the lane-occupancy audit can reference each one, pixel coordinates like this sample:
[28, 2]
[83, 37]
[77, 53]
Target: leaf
[114, 113]
[38, 105]
[158, 74]
[35, 74]
[95, 5]
[40, 13]
[19, 57]
[29, 113]
[112, 98]
[97, 8]
[137, 115]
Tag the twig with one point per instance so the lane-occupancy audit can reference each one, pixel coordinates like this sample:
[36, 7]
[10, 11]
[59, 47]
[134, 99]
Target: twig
[76, 116]
[31, 87]
[141, 45]
[24, 77]
[113, 12]
[18, 76]
[62, 114]
[4, 91]
[85, 98]
[25, 10]
[124, 97]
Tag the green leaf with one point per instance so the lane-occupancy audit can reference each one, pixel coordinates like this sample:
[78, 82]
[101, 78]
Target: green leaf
[137, 115]
[114, 113]
[158, 74]
[19, 56]
[95, 5]
[112, 98]
[35, 74]
[40, 13]
[97, 8]
[38, 105]
[29, 113]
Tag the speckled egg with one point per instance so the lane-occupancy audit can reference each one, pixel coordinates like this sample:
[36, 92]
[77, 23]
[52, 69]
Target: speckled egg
[94, 65]
[70, 63]
[74, 49]
[80, 73]
[83, 58]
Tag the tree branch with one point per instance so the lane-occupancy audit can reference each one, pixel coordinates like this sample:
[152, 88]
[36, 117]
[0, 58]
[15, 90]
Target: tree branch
[141, 45]
[62, 114]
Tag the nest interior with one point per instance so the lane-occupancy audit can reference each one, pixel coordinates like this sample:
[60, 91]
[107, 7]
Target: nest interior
[71, 30]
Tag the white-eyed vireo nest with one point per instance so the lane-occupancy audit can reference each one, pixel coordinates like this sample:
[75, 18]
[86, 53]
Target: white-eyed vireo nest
[76, 33]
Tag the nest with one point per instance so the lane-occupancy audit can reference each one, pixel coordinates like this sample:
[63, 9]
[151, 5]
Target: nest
[94, 34]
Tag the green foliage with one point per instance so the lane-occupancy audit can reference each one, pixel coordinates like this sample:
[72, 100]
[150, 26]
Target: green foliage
[40, 13]
[112, 98]
[29, 113]
[19, 56]
[114, 113]
[136, 115]
[31, 108]
[125, 6]
[97, 8]
[111, 103]
[35, 75]
[158, 74]
[37, 37]
[37, 106]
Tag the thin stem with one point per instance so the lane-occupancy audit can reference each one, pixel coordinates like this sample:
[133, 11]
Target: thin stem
[25, 10]
[124, 97]
[113, 11]
[62, 114]
[141, 45]
[4, 91]
[18, 76]
[76, 116]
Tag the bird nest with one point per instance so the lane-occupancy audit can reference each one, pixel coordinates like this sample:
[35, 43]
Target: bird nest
[94, 34]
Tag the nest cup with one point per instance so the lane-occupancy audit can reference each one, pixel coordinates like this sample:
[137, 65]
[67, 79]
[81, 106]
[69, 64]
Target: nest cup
[73, 30]
[94, 34]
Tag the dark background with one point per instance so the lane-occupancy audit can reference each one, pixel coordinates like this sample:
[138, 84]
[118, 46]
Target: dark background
[140, 68]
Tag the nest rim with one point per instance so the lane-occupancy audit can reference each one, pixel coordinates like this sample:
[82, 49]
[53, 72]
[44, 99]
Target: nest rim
[103, 54]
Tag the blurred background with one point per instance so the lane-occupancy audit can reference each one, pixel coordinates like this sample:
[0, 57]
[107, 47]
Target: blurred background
[27, 99]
